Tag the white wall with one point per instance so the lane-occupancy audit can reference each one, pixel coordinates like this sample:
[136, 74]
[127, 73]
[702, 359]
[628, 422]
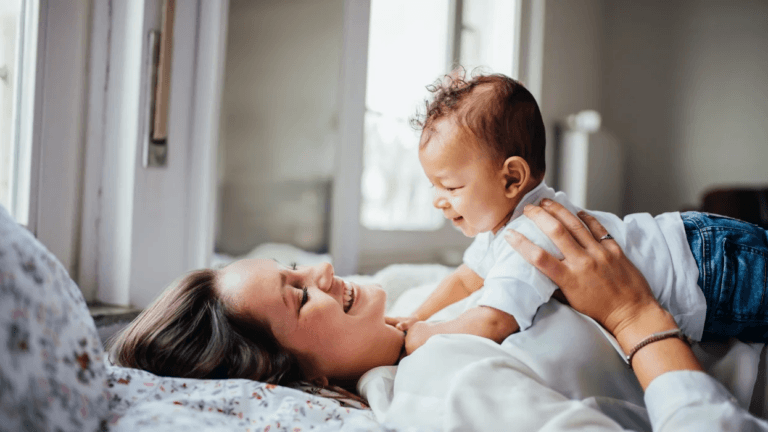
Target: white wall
[279, 120]
[686, 91]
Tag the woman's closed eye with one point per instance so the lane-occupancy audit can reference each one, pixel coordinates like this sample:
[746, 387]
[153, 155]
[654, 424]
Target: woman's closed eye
[304, 297]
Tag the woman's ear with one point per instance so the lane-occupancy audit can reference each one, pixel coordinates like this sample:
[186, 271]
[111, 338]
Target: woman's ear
[517, 174]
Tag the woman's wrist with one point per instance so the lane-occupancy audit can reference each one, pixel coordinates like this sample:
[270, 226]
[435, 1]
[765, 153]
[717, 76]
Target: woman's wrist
[647, 321]
[661, 356]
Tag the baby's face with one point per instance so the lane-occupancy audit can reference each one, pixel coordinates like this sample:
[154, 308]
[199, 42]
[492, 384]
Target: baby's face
[469, 186]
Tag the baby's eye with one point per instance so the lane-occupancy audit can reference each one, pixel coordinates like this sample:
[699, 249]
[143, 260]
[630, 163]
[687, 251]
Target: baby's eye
[451, 189]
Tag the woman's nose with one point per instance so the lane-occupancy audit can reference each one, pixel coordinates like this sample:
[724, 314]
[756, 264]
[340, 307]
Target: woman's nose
[323, 274]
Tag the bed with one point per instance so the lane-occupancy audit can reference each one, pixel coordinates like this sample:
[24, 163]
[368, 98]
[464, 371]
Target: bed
[54, 374]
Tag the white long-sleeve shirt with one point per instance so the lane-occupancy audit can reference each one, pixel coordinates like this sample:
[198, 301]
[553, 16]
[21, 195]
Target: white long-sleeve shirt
[656, 245]
[694, 401]
[561, 375]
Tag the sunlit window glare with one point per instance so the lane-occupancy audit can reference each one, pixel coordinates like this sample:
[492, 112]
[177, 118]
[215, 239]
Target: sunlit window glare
[9, 25]
[407, 50]
[411, 45]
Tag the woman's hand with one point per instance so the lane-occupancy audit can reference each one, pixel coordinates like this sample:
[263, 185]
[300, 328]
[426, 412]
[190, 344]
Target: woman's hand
[595, 276]
[600, 281]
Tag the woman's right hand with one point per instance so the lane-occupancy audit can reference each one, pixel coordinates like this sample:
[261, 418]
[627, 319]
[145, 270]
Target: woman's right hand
[601, 282]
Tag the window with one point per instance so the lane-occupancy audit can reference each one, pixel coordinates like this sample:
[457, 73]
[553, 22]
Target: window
[19, 21]
[411, 44]
[17, 72]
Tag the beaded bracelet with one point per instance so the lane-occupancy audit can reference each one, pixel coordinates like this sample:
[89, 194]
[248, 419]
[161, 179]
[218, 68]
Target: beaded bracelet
[676, 333]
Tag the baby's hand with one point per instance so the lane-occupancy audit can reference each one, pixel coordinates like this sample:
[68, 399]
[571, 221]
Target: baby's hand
[418, 335]
[401, 323]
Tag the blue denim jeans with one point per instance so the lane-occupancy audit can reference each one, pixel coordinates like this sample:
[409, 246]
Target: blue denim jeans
[732, 257]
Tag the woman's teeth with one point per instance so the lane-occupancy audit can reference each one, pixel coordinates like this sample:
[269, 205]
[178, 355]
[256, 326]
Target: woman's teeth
[349, 297]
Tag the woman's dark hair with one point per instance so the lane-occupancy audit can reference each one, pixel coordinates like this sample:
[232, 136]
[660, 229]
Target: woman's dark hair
[189, 332]
[497, 110]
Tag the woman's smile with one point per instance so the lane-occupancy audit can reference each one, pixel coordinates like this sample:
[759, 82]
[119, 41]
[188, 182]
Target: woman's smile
[349, 296]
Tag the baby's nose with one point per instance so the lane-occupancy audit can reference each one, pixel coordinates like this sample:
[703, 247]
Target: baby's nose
[439, 201]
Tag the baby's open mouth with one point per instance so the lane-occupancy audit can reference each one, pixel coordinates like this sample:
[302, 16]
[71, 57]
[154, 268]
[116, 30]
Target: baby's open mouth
[457, 219]
[349, 296]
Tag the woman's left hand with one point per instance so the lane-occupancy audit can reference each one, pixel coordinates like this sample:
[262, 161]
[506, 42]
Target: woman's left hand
[600, 281]
[595, 276]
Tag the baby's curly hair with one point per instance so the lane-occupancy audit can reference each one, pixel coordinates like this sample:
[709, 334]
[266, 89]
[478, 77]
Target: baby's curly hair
[498, 111]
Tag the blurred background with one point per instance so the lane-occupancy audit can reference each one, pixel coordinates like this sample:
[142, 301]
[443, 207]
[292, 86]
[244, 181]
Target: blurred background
[681, 89]
[288, 131]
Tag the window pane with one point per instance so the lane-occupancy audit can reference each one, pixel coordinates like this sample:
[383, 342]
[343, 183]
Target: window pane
[488, 35]
[18, 56]
[407, 49]
[9, 26]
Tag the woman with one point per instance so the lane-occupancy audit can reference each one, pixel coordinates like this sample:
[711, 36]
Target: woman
[265, 321]
[268, 322]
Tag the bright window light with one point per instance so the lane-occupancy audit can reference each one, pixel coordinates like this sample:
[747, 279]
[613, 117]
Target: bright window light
[412, 44]
[18, 39]
[407, 50]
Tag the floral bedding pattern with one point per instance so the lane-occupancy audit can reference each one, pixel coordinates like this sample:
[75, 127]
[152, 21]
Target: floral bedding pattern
[52, 375]
[140, 400]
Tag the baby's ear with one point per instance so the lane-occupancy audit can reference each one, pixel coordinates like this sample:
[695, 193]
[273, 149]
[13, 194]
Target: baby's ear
[516, 173]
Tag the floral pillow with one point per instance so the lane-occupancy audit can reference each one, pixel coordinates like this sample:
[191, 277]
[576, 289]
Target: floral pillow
[143, 401]
[52, 374]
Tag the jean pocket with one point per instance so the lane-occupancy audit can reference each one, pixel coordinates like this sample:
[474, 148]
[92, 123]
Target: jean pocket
[742, 294]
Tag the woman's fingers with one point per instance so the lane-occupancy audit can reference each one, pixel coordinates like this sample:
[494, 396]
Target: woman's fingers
[536, 256]
[597, 229]
[572, 223]
[553, 228]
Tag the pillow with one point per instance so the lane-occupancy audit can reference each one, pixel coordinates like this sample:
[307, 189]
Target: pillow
[52, 375]
[143, 401]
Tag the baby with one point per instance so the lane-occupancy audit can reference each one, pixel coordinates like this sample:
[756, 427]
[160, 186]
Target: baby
[482, 148]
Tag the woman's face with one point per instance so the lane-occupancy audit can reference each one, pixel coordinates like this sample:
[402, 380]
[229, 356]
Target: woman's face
[335, 328]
